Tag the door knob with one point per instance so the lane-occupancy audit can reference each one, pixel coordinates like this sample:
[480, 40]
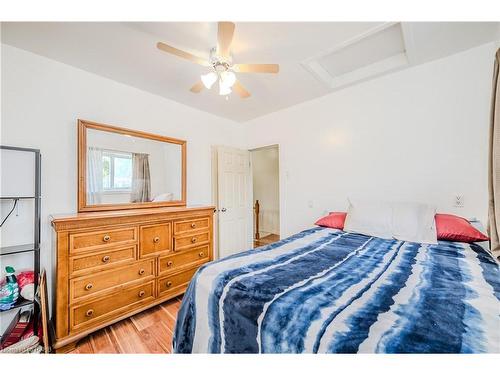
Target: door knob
[223, 210]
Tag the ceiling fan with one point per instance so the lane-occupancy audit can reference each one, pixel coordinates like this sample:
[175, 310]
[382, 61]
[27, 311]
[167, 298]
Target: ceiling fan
[221, 64]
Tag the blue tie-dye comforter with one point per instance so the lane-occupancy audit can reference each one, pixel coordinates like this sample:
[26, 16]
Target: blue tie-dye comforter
[328, 291]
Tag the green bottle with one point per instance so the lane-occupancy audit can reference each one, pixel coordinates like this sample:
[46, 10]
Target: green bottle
[9, 292]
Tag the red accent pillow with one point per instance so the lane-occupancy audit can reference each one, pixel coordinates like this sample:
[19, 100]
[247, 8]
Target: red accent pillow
[334, 220]
[456, 228]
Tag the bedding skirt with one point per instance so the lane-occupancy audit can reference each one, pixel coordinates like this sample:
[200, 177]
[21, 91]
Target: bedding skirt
[328, 291]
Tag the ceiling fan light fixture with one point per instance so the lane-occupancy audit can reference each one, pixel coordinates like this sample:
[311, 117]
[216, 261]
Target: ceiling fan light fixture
[208, 79]
[228, 78]
[223, 89]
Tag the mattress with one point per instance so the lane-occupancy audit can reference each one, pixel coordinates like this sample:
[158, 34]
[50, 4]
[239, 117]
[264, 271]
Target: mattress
[328, 291]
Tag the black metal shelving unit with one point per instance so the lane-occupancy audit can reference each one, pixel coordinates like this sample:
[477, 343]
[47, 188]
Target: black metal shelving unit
[32, 247]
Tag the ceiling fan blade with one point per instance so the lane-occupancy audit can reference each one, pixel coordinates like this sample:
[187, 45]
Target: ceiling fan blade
[240, 90]
[197, 87]
[224, 38]
[256, 68]
[185, 55]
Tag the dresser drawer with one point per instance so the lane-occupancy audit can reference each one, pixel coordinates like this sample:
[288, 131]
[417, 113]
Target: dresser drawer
[102, 282]
[183, 259]
[111, 306]
[170, 283]
[80, 242]
[188, 226]
[191, 240]
[82, 264]
[155, 239]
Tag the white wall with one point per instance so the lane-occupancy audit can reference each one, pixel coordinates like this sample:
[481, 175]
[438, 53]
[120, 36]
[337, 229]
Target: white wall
[418, 134]
[42, 100]
[265, 172]
[173, 163]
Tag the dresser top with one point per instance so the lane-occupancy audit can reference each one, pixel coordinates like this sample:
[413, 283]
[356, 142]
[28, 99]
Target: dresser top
[127, 215]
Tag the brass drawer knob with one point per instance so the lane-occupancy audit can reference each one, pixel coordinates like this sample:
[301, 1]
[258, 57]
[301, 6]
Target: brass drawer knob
[141, 271]
[169, 284]
[142, 293]
[156, 239]
[193, 240]
[169, 263]
[89, 286]
[106, 238]
[193, 225]
[201, 254]
[105, 258]
[89, 313]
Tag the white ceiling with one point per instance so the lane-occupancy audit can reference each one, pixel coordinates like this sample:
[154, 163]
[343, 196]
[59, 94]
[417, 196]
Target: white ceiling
[126, 52]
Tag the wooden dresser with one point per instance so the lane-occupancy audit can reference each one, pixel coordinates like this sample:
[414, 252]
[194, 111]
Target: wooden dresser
[111, 265]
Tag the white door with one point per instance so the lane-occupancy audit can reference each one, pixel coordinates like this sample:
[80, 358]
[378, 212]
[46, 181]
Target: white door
[234, 200]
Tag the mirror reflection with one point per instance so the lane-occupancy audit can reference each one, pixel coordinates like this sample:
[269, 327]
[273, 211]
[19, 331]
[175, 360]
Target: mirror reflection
[128, 169]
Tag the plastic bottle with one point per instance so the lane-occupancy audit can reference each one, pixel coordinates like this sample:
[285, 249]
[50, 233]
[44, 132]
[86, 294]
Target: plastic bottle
[9, 292]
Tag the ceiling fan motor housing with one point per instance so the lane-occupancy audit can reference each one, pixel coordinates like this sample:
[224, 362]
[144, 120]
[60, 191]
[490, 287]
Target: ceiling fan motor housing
[220, 63]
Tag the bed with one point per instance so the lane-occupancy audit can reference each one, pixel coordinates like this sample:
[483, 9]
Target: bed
[328, 291]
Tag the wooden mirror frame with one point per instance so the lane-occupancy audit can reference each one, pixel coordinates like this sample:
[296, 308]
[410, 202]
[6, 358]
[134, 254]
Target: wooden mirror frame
[83, 125]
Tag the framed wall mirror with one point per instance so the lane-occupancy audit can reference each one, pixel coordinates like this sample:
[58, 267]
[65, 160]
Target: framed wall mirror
[120, 168]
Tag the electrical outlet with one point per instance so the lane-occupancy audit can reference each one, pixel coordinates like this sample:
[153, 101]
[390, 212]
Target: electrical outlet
[459, 201]
[310, 204]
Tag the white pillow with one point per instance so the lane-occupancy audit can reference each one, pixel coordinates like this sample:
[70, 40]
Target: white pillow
[164, 197]
[414, 222]
[369, 218]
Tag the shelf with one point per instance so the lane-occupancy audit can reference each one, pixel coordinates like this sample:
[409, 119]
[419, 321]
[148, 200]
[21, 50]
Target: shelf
[13, 198]
[9, 250]
[32, 197]
[20, 303]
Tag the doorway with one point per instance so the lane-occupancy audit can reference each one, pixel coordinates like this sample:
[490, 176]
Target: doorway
[240, 178]
[266, 199]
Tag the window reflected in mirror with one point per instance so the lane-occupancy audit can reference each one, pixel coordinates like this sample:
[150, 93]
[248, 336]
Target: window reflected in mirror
[122, 168]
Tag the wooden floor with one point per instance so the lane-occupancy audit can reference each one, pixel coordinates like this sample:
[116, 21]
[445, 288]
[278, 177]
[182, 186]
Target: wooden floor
[271, 238]
[147, 332]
